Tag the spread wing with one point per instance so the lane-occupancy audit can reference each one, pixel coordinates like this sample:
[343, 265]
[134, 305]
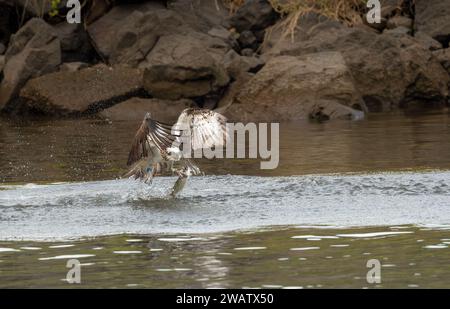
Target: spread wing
[150, 133]
[204, 128]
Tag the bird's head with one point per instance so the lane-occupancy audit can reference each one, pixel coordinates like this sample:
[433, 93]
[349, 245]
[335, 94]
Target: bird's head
[148, 116]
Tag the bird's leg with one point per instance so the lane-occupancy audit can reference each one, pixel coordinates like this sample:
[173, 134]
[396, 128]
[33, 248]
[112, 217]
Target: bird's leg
[183, 176]
[150, 173]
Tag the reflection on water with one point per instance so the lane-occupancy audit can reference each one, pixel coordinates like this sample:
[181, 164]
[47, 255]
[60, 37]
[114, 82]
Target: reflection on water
[69, 150]
[409, 257]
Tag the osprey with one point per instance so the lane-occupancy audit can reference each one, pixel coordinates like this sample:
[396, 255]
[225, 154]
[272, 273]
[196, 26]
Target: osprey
[158, 147]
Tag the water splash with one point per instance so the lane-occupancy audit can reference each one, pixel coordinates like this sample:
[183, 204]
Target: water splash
[223, 203]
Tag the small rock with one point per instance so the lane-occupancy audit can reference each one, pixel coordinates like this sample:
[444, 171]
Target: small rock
[2, 63]
[135, 108]
[399, 21]
[427, 41]
[247, 40]
[253, 15]
[86, 91]
[247, 52]
[325, 110]
[225, 35]
[33, 51]
[75, 45]
[73, 66]
[400, 31]
[432, 17]
[443, 56]
[236, 64]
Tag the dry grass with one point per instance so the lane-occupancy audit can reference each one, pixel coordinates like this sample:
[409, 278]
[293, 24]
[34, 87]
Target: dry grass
[348, 12]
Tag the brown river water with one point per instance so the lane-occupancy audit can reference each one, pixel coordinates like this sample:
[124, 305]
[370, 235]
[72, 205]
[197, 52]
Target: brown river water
[344, 193]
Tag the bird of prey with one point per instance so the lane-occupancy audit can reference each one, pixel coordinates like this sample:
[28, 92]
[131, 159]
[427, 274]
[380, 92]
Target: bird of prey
[159, 147]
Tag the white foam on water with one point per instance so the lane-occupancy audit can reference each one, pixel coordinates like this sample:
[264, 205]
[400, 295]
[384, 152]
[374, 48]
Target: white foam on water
[250, 248]
[436, 247]
[66, 257]
[371, 235]
[127, 252]
[175, 239]
[304, 248]
[311, 237]
[61, 246]
[8, 250]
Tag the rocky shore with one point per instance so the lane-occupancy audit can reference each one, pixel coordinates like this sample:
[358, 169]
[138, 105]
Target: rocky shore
[129, 57]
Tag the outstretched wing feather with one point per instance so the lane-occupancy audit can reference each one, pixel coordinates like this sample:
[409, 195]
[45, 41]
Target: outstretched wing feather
[206, 128]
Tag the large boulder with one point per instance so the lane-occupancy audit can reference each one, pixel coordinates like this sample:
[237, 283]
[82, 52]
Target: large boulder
[184, 67]
[135, 108]
[292, 88]
[33, 51]
[139, 34]
[82, 92]
[433, 18]
[390, 69]
[103, 32]
[128, 33]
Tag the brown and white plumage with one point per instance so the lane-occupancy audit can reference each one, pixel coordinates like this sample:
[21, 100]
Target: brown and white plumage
[157, 146]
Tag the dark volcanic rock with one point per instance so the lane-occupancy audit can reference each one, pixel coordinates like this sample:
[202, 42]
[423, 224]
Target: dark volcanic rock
[292, 88]
[236, 64]
[183, 67]
[33, 51]
[433, 18]
[389, 69]
[253, 15]
[247, 40]
[128, 33]
[104, 31]
[399, 21]
[75, 45]
[443, 56]
[85, 91]
[2, 64]
[73, 66]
